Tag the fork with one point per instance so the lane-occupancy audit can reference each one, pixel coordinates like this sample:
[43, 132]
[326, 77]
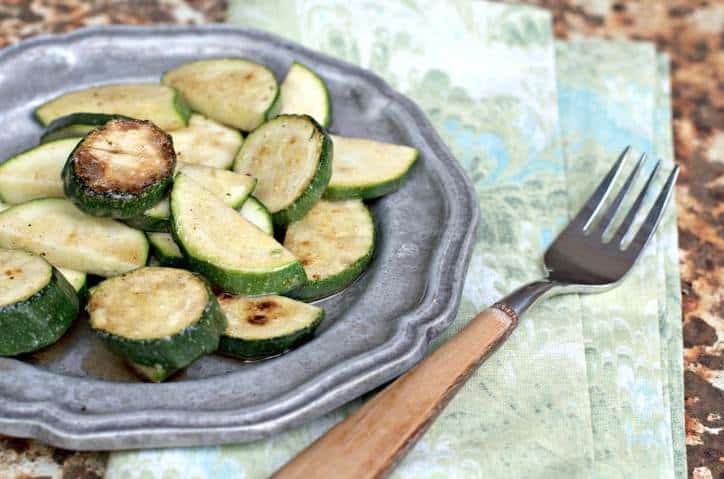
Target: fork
[580, 260]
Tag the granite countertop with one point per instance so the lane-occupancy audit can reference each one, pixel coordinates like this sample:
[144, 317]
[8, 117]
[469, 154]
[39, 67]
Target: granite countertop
[693, 35]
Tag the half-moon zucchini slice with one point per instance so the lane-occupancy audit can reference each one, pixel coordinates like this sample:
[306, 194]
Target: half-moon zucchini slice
[206, 142]
[334, 243]
[367, 169]
[224, 247]
[291, 157]
[35, 173]
[159, 104]
[166, 250]
[266, 326]
[256, 213]
[68, 238]
[120, 169]
[159, 319]
[304, 92]
[232, 91]
[37, 304]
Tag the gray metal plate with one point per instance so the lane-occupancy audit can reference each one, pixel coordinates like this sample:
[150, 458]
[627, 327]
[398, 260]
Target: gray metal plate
[76, 395]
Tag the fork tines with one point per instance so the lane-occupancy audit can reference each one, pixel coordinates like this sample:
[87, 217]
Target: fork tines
[590, 210]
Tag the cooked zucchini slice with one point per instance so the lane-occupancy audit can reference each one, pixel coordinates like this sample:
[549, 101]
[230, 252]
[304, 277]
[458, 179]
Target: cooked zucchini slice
[304, 92]
[159, 104]
[37, 304]
[76, 125]
[77, 279]
[367, 169]
[256, 213]
[120, 169]
[155, 218]
[232, 188]
[334, 242]
[291, 157]
[165, 249]
[35, 173]
[68, 238]
[159, 319]
[206, 142]
[266, 326]
[232, 91]
[228, 250]
[3, 206]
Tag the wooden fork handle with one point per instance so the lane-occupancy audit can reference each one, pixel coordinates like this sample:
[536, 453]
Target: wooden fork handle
[370, 441]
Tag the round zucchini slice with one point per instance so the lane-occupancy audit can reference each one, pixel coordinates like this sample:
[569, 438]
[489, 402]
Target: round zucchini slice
[334, 243]
[76, 125]
[166, 250]
[35, 173]
[160, 104]
[224, 247]
[232, 91]
[37, 304]
[256, 213]
[206, 142]
[158, 319]
[120, 169]
[368, 169]
[266, 326]
[291, 157]
[304, 92]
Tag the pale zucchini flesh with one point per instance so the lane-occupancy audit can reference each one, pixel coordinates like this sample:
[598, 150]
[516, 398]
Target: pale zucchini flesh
[22, 275]
[265, 326]
[256, 213]
[367, 169]
[334, 242]
[304, 92]
[77, 279]
[35, 173]
[291, 157]
[159, 104]
[58, 231]
[206, 142]
[232, 188]
[165, 249]
[150, 303]
[233, 91]
[221, 245]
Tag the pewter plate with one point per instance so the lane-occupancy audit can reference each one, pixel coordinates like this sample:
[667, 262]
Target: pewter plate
[78, 396]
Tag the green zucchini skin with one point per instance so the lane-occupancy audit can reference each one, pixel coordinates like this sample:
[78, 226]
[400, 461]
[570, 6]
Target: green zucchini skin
[149, 223]
[366, 192]
[162, 357]
[76, 124]
[312, 289]
[115, 204]
[164, 256]
[247, 283]
[251, 350]
[40, 320]
[316, 187]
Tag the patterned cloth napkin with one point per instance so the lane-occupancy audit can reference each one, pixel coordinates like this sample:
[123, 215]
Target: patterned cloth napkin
[535, 123]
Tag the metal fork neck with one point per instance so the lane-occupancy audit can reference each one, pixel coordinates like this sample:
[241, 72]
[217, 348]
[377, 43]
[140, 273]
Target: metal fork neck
[527, 295]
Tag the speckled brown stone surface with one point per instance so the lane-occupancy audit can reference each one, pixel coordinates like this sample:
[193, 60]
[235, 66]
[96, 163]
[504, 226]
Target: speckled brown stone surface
[691, 32]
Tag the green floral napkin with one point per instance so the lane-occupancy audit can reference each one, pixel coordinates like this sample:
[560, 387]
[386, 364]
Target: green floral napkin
[486, 76]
